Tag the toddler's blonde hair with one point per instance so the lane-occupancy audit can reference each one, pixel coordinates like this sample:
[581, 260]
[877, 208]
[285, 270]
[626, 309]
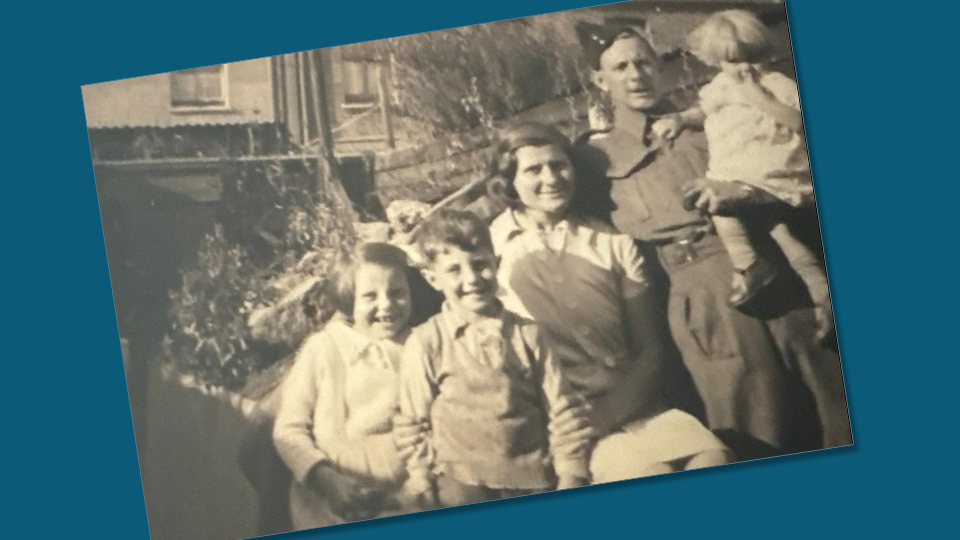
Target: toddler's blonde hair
[730, 36]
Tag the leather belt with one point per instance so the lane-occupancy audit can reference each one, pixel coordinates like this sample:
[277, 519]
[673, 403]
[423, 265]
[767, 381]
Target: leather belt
[683, 251]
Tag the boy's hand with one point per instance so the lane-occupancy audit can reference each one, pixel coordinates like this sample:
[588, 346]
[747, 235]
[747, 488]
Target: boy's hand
[350, 497]
[567, 482]
[408, 433]
[571, 430]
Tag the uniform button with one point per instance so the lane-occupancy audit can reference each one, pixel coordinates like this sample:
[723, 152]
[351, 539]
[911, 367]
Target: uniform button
[584, 330]
[610, 361]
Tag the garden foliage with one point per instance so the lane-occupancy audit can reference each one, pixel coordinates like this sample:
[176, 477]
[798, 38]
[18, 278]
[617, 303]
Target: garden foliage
[275, 229]
[457, 79]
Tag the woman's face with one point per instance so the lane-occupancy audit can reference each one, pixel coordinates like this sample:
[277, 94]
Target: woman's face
[544, 180]
[628, 73]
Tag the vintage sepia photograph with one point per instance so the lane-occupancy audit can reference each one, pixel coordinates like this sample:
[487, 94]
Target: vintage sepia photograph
[466, 265]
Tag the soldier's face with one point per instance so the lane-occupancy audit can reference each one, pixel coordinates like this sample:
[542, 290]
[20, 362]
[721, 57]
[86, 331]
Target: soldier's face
[628, 72]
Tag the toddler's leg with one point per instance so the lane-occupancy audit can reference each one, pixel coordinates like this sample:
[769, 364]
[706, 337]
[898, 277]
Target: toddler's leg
[734, 237]
[753, 273]
[803, 261]
[807, 266]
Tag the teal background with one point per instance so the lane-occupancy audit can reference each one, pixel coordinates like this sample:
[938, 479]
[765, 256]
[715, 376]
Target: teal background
[876, 81]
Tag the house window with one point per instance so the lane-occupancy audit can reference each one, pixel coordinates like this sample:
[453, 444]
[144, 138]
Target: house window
[359, 84]
[203, 87]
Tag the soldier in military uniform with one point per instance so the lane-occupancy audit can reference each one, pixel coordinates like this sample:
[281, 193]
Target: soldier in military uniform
[767, 386]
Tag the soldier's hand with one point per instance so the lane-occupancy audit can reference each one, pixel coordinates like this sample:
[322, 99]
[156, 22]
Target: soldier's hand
[723, 198]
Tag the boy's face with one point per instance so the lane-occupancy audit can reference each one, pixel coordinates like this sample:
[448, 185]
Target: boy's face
[467, 280]
[544, 179]
[628, 72]
[381, 304]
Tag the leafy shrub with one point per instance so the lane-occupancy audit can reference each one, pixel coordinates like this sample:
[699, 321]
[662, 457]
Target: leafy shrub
[274, 228]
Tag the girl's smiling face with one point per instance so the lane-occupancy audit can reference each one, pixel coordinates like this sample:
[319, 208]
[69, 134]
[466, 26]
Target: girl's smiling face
[544, 180]
[382, 304]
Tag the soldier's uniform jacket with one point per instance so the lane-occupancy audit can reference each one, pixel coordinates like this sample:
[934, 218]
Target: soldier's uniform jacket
[749, 371]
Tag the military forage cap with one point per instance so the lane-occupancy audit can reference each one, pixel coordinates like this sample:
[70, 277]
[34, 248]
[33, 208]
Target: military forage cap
[597, 38]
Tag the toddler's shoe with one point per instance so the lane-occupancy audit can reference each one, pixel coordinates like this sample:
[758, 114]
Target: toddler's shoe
[750, 282]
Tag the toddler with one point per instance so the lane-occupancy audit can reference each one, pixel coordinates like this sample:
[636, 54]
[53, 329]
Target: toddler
[334, 426]
[751, 118]
[483, 379]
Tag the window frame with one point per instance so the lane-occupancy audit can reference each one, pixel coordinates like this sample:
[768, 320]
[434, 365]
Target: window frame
[222, 106]
[364, 102]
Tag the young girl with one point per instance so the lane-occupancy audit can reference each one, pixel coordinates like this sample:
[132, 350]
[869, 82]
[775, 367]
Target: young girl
[334, 426]
[751, 118]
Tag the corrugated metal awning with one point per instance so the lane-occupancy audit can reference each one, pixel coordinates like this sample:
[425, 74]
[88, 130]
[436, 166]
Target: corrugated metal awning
[160, 123]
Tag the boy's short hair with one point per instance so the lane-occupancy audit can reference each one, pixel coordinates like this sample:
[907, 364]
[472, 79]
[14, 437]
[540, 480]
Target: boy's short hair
[504, 167]
[341, 284]
[446, 227]
[730, 36]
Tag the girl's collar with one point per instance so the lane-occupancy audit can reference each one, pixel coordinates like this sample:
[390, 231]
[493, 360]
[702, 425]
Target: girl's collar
[347, 324]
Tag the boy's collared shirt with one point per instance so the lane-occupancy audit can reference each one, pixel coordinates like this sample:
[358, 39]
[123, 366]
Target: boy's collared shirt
[487, 387]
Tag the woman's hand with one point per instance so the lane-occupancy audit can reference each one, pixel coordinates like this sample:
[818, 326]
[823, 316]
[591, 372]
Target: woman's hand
[571, 430]
[723, 198]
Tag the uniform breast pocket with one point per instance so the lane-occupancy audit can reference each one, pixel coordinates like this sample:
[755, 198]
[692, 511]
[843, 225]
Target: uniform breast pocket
[708, 321]
[628, 197]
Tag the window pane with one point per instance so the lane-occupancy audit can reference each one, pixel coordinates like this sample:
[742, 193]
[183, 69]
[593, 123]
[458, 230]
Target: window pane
[208, 87]
[359, 82]
[197, 87]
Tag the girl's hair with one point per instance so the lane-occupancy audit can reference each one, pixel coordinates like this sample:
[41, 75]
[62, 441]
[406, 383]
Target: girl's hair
[504, 167]
[730, 36]
[341, 284]
[447, 227]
